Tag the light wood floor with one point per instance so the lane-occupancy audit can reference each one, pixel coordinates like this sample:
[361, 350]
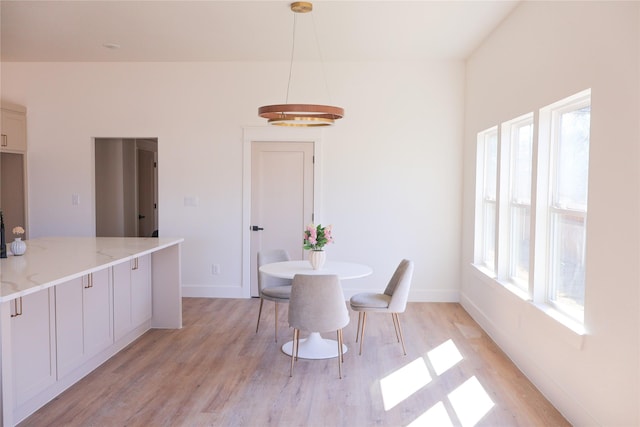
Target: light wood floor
[217, 371]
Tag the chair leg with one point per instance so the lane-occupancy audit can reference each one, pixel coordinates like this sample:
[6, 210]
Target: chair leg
[364, 324]
[259, 313]
[339, 353]
[276, 322]
[400, 331]
[358, 328]
[395, 326]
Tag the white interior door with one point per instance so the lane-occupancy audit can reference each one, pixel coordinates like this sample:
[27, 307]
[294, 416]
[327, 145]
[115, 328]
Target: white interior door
[281, 198]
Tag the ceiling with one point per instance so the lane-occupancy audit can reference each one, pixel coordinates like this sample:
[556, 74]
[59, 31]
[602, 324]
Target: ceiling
[240, 30]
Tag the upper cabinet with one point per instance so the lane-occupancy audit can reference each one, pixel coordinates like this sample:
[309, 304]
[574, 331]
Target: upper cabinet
[14, 128]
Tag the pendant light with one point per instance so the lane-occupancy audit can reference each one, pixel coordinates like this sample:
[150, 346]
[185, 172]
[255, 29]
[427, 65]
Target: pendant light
[300, 115]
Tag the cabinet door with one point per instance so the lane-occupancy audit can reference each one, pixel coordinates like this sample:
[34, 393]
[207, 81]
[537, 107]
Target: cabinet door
[33, 345]
[83, 319]
[122, 322]
[97, 320]
[141, 298]
[132, 305]
[14, 131]
[69, 328]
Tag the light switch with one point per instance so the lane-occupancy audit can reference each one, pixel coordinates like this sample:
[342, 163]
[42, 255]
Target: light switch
[75, 199]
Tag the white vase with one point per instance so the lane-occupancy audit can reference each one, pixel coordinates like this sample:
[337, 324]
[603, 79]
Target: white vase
[18, 247]
[317, 259]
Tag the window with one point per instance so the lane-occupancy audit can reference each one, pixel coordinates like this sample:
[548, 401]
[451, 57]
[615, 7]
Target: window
[569, 123]
[520, 147]
[487, 163]
[528, 185]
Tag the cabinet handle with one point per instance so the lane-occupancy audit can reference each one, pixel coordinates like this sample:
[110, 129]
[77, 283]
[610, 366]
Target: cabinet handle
[5, 140]
[89, 281]
[17, 307]
[135, 264]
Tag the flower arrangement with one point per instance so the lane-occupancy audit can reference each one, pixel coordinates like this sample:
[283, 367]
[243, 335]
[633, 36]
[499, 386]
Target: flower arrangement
[316, 236]
[18, 231]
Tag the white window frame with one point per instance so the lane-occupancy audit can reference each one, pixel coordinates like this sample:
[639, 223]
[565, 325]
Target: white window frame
[547, 209]
[538, 289]
[507, 249]
[484, 202]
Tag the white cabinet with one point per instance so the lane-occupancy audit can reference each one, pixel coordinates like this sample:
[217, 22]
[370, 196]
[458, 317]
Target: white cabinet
[72, 322]
[83, 319]
[32, 344]
[141, 302]
[14, 128]
[98, 320]
[132, 295]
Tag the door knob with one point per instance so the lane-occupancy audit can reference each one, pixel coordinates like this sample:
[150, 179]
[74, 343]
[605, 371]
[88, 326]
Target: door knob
[256, 228]
[141, 217]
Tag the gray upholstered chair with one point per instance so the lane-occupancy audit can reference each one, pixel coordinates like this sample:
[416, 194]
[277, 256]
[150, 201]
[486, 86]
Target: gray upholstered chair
[317, 304]
[272, 288]
[393, 300]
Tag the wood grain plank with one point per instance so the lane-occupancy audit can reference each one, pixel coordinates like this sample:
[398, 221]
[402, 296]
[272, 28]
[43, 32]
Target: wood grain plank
[217, 371]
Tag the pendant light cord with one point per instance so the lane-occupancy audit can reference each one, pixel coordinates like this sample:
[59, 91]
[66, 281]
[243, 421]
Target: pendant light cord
[293, 48]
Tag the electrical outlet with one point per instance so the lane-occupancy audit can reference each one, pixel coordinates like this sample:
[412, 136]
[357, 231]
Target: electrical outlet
[215, 269]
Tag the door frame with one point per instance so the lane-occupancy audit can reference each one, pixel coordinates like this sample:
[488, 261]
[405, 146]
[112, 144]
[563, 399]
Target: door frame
[149, 145]
[273, 134]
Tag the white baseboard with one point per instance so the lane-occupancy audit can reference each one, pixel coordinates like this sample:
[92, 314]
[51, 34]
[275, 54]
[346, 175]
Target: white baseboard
[201, 291]
[568, 406]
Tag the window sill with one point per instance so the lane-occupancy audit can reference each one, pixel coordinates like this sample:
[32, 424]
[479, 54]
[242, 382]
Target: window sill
[573, 325]
[571, 331]
[489, 277]
[484, 274]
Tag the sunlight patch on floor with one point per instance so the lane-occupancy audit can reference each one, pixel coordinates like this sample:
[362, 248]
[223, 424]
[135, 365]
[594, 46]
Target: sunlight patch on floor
[436, 416]
[470, 402]
[444, 357]
[402, 383]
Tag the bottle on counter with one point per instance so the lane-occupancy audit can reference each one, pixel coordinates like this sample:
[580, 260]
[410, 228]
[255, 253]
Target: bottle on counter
[3, 243]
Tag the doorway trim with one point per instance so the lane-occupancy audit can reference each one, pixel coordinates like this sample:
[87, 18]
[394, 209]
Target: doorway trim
[273, 134]
[122, 169]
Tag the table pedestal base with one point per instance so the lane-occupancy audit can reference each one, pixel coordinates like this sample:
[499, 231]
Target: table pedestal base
[315, 347]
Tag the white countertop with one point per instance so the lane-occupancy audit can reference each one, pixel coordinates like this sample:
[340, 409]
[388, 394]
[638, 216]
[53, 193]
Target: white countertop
[53, 260]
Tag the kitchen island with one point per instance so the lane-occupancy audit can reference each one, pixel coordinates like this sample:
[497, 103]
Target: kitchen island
[70, 303]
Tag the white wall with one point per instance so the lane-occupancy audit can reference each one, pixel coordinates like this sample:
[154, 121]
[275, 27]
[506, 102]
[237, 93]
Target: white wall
[391, 168]
[544, 52]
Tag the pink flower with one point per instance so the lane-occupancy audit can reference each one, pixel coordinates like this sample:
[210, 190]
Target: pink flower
[315, 237]
[327, 233]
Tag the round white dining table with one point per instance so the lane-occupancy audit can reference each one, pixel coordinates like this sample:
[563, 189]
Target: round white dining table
[314, 346]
